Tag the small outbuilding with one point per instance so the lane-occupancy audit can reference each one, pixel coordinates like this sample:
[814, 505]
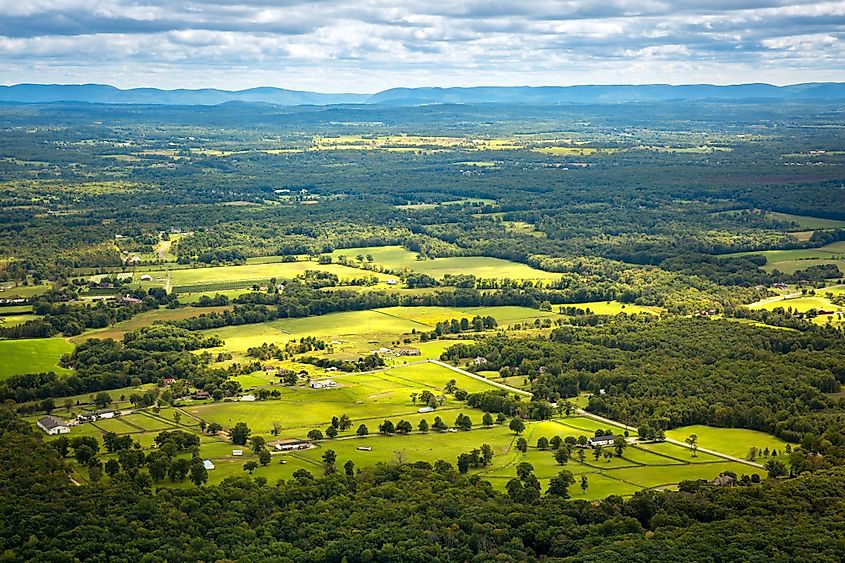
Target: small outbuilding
[601, 441]
[322, 384]
[208, 465]
[248, 398]
[53, 425]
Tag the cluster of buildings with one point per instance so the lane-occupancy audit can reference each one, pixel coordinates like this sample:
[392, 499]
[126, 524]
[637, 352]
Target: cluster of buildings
[322, 384]
[399, 352]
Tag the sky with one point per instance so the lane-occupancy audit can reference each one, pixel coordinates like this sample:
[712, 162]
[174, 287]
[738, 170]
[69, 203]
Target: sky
[370, 45]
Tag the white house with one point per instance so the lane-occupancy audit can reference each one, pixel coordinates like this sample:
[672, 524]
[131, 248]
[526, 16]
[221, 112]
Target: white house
[322, 384]
[426, 409]
[208, 465]
[292, 444]
[237, 452]
[606, 440]
[53, 425]
[248, 398]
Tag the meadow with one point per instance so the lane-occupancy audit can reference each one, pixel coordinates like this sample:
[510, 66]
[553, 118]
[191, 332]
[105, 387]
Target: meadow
[790, 261]
[146, 318]
[398, 258]
[731, 441]
[33, 356]
[805, 222]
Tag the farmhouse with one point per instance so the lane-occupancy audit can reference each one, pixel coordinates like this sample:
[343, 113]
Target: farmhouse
[408, 352]
[169, 380]
[480, 360]
[129, 300]
[392, 281]
[600, 441]
[322, 384]
[292, 444]
[201, 395]
[53, 425]
[94, 416]
[208, 465]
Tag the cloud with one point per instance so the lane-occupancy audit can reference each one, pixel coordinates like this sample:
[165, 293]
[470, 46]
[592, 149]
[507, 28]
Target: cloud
[333, 45]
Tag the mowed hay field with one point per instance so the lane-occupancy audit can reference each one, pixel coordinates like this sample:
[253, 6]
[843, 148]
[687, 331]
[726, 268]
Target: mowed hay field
[731, 441]
[790, 261]
[398, 258]
[32, 356]
[362, 331]
[233, 277]
[146, 318]
[805, 222]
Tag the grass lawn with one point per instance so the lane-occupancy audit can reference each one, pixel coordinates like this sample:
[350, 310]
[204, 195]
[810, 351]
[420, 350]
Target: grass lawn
[32, 355]
[731, 441]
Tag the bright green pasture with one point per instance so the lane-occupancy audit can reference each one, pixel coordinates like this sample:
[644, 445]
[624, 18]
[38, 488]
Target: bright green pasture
[805, 222]
[613, 308]
[247, 274]
[187, 298]
[372, 325]
[367, 398]
[789, 261]
[432, 315]
[731, 441]
[801, 304]
[33, 355]
[398, 258]
[146, 318]
[12, 292]
[15, 320]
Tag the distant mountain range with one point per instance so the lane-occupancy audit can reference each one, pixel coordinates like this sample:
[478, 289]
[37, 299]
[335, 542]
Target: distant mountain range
[526, 95]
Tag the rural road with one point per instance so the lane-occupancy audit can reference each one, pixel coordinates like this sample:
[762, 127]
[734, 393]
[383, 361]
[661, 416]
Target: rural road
[484, 379]
[584, 413]
[775, 299]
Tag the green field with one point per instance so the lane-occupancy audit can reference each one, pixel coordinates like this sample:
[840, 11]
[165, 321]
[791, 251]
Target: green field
[32, 356]
[355, 328]
[398, 258]
[789, 261]
[146, 318]
[731, 441]
[238, 277]
[367, 397]
[805, 222]
[357, 332]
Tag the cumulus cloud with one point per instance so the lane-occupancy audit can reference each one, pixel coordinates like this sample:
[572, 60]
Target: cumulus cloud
[335, 45]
